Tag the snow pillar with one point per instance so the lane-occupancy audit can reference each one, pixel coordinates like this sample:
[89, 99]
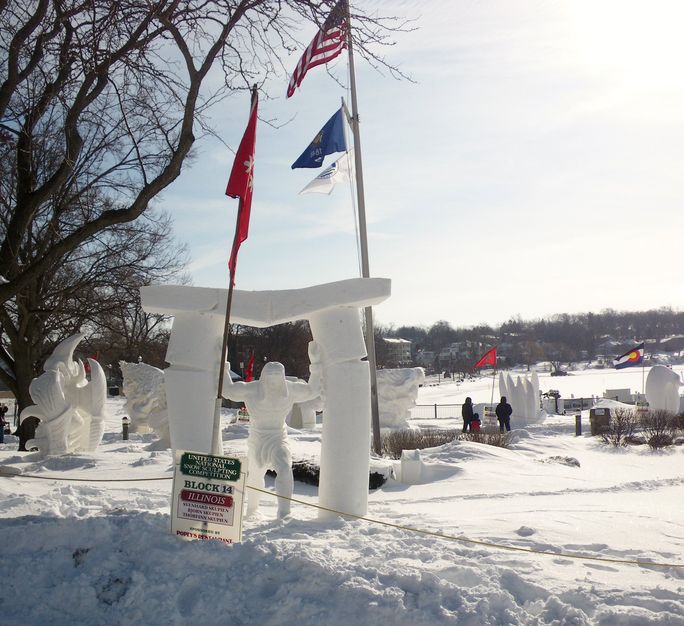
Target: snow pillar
[345, 447]
[194, 352]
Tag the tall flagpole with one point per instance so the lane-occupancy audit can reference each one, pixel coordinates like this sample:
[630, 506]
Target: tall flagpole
[643, 372]
[365, 269]
[216, 442]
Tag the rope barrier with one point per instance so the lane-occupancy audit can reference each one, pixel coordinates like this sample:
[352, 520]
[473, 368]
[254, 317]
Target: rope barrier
[5, 474]
[434, 533]
[420, 531]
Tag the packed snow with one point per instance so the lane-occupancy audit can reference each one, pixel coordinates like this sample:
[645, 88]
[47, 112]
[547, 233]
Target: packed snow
[557, 529]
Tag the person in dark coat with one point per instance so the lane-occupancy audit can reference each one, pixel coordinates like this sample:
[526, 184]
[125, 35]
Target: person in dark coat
[3, 423]
[503, 414]
[467, 413]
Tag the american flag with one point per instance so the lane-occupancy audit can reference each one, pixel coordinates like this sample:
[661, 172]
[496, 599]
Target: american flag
[326, 45]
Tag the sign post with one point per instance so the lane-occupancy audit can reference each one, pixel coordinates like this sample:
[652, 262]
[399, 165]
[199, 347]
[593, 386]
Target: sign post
[208, 493]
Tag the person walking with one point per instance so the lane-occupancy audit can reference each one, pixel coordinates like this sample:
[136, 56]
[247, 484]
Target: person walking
[467, 414]
[3, 422]
[503, 414]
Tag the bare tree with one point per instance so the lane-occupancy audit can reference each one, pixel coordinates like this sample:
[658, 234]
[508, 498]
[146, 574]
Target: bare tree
[100, 106]
[95, 288]
[623, 424]
[108, 96]
[659, 428]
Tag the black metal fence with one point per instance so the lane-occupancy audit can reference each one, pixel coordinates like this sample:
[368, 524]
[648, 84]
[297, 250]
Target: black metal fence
[435, 411]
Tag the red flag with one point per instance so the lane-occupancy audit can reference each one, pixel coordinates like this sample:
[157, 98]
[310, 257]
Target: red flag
[489, 358]
[325, 46]
[249, 372]
[240, 183]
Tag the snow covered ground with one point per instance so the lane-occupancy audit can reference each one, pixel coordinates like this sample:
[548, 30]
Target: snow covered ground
[575, 515]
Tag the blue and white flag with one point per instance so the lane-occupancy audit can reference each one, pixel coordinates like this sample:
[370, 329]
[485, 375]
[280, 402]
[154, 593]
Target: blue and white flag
[330, 139]
[635, 356]
[337, 172]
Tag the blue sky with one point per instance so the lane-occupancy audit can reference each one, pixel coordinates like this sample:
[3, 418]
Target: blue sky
[533, 167]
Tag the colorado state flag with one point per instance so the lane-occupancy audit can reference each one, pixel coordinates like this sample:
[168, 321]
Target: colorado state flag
[635, 356]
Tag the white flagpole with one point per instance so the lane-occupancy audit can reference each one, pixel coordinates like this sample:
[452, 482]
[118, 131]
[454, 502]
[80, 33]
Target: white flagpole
[365, 270]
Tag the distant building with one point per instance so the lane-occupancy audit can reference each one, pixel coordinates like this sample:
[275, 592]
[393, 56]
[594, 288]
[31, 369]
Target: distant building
[457, 351]
[398, 351]
[425, 358]
[675, 343]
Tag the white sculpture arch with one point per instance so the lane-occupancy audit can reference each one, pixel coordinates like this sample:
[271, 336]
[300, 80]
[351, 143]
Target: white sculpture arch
[333, 312]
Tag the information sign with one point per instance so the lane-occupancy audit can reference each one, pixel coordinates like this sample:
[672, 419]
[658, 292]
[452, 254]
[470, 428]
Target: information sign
[208, 492]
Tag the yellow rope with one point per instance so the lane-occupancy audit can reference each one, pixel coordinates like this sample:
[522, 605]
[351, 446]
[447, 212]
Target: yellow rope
[434, 533]
[429, 533]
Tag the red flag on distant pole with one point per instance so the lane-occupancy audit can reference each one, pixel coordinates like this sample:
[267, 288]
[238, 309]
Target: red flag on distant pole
[249, 372]
[489, 358]
[240, 183]
[328, 43]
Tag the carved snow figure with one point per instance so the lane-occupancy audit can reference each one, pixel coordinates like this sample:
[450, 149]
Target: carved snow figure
[523, 396]
[535, 390]
[303, 415]
[397, 393]
[662, 389]
[268, 401]
[70, 409]
[143, 386]
[503, 387]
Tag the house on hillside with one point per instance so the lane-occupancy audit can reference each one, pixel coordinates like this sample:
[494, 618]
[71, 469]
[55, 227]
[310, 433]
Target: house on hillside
[425, 358]
[675, 343]
[397, 352]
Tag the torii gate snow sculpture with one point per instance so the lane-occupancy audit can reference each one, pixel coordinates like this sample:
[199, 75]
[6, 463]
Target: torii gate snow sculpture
[332, 310]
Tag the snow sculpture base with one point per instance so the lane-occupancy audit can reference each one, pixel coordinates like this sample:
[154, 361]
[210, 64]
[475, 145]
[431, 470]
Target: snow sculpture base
[71, 410]
[397, 393]
[333, 312]
[410, 468]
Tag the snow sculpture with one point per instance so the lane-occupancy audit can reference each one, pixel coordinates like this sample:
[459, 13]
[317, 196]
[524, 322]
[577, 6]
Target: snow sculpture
[397, 393]
[523, 396]
[303, 415]
[268, 401]
[143, 386]
[332, 310]
[662, 389]
[70, 409]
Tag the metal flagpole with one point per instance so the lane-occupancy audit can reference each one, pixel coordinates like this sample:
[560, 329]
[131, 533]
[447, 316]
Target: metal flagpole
[216, 443]
[643, 370]
[491, 401]
[365, 270]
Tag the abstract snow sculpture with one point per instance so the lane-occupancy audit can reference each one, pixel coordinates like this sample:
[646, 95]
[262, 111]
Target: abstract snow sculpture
[662, 389]
[530, 404]
[143, 386]
[523, 396]
[70, 409]
[535, 390]
[332, 310]
[397, 393]
[503, 387]
[268, 401]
